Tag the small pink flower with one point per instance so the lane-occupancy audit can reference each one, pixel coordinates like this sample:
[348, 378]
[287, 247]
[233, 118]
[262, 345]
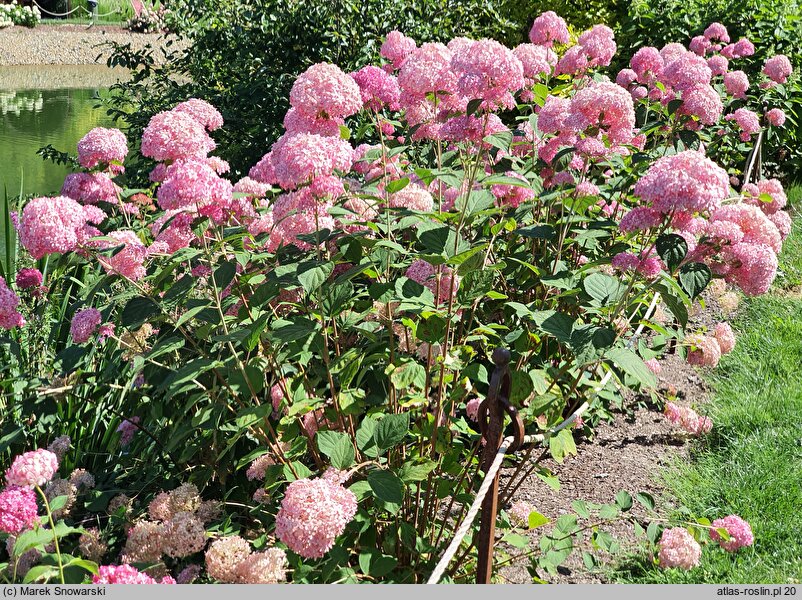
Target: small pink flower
[740, 533]
[10, 317]
[102, 146]
[33, 468]
[18, 511]
[84, 323]
[677, 548]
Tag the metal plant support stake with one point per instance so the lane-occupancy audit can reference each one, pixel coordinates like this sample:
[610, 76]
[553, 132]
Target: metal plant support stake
[491, 421]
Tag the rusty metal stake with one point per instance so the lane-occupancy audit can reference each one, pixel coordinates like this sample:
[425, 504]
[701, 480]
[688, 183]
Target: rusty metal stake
[491, 423]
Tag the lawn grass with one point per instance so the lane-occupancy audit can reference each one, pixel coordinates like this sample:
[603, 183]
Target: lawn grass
[751, 464]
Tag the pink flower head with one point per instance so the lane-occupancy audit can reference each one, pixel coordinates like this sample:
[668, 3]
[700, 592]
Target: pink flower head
[688, 419]
[302, 157]
[296, 121]
[194, 185]
[128, 262]
[264, 171]
[599, 44]
[312, 514]
[717, 32]
[739, 531]
[686, 71]
[653, 365]
[251, 187]
[323, 90]
[18, 511]
[489, 71]
[672, 51]
[736, 83]
[127, 430]
[29, 278]
[9, 316]
[203, 112]
[699, 45]
[174, 135]
[84, 323]
[177, 234]
[586, 188]
[687, 181]
[718, 64]
[259, 466]
[606, 106]
[552, 116]
[426, 274]
[775, 117]
[519, 513]
[396, 48]
[756, 268]
[472, 408]
[103, 146]
[299, 213]
[549, 28]
[703, 351]
[573, 62]
[774, 189]
[757, 228]
[626, 77]
[426, 71]
[704, 103]
[678, 549]
[747, 121]
[33, 468]
[778, 68]
[51, 225]
[537, 61]
[412, 197]
[725, 337]
[743, 48]
[378, 88]
[513, 195]
[90, 188]
[648, 64]
[121, 574]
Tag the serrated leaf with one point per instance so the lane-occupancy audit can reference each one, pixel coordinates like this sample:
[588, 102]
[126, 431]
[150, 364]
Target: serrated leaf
[672, 248]
[338, 447]
[633, 365]
[391, 430]
[623, 500]
[561, 445]
[604, 289]
[411, 472]
[311, 275]
[646, 499]
[376, 564]
[694, 278]
[386, 486]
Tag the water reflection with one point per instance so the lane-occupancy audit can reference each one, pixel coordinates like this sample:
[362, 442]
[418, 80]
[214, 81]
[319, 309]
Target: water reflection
[37, 110]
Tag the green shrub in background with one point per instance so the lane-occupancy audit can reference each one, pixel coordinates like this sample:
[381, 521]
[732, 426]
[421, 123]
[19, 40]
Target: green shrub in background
[580, 14]
[773, 26]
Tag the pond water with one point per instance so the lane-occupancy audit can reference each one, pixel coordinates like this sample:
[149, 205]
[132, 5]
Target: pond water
[41, 105]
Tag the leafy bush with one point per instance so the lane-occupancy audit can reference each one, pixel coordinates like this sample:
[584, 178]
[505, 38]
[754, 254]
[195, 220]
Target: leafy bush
[773, 26]
[311, 349]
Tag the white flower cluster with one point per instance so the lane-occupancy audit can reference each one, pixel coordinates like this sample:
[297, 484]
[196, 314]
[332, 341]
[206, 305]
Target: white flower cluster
[14, 14]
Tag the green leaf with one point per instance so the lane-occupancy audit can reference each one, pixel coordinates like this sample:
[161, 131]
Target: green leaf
[623, 500]
[694, 278]
[397, 185]
[555, 323]
[376, 564]
[41, 572]
[312, 274]
[408, 374]
[652, 532]
[386, 486]
[224, 274]
[561, 445]
[338, 447]
[501, 140]
[391, 430]
[537, 520]
[58, 503]
[365, 440]
[633, 365]
[516, 540]
[411, 472]
[608, 511]
[672, 248]
[581, 508]
[138, 310]
[604, 289]
[646, 499]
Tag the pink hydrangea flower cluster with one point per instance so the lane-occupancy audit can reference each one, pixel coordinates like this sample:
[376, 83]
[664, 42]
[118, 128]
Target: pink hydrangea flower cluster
[90, 188]
[548, 28]
[29, 278]
[775, 117]
[50, 225]
[687, 181]
[426, 274]
[127, 430]
[203, 112]
[472, 408]
[519, 513]
[103, 147]
[84, 323]
[127, 575]
[396, 48]
[678, 549]
[324, 91]
[18, 511]
[378, 88]
[312, 514]
[174, 135]
[489, 71]
[747, 120]
[688, 419]
[739, 531]
[34, 468]
[736, 83]
[778, 68]
[10, 317]
[128, 262]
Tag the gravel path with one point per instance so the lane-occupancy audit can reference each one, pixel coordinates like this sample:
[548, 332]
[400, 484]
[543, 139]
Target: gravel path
[68, 44]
